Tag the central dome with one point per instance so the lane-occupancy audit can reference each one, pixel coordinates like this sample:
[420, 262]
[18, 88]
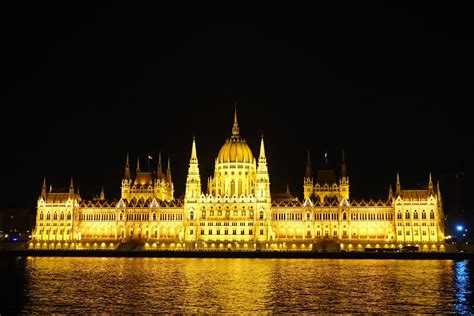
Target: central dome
[235, 149]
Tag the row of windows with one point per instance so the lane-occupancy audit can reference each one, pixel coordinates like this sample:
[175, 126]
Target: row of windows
[130, 217]
[55, 216]
[414, 224]
[225, 224]
[332, 216]
[415, 232]
[54, 231]
[226, 232]
[171, 217]
[415, 215]
[372, 216]
[288, 216]
[227, 213]
[97, 217]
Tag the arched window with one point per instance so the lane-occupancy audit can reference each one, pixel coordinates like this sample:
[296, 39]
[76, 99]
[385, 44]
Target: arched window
[399, 215]
[55, 216]
[153, 216]
[423, 214]
[69, 215]
[415, 215]
[121, 216]
[61, 217]
[407, 214]
[261, 215]
[308, 216]
[431, 215]
[344, 216]
[203, 213]
[41, 215]
[191, 215]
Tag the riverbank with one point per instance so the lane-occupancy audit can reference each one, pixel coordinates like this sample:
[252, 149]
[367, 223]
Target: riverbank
[238, 254]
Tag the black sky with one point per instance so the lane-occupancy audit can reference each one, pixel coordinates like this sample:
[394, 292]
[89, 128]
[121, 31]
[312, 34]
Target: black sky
[84, 85]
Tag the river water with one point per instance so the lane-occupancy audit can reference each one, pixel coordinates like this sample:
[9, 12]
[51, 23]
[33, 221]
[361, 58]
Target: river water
[175, 285]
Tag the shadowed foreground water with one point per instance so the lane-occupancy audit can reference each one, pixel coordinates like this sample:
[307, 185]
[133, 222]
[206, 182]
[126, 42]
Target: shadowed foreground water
[167, 285]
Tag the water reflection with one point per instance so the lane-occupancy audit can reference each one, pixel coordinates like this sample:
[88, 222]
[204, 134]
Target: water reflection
[463, 287]
[151, 285]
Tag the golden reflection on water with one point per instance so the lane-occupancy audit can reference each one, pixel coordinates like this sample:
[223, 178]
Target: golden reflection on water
[175, 285]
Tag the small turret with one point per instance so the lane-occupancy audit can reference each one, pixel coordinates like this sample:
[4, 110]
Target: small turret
[127, 170]
[102, 194]
[308, 167]
[43, 189]
[308, 179]
[159, 171]
[138, 164]
[343, 165]
[430, 183]
[71, 187]
[390, 193]
[168, 171]
[398, 188]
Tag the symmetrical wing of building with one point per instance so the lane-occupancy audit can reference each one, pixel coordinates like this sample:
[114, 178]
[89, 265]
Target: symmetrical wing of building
[237, 211]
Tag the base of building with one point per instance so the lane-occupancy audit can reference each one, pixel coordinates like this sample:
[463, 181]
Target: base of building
[329, 246]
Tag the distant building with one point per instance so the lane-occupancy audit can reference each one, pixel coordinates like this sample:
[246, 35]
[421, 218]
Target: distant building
[16, 224]
[236, 211]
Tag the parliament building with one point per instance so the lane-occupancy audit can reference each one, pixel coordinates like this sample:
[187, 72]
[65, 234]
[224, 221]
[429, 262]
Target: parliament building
[238, 212]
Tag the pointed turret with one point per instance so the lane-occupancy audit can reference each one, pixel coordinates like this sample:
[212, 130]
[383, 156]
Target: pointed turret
[262, 155]
[343, 165]
[439, 191]
[263, 179]
[287, 189]
[193, 181]
[398, 184]
[194, 158]
[308, 179]
[168, 171]
[390, 192]
[71, 187]
[43, 188]
[235, 128]
[102, 194]
[138, 164]
[127, 169]
[430, 182]
[308, 166]
[159, 170]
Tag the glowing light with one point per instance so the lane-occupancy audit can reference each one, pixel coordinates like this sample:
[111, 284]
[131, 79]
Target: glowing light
[459, 228]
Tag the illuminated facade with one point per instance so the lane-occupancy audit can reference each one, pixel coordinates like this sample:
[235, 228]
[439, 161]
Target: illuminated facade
[237, 211]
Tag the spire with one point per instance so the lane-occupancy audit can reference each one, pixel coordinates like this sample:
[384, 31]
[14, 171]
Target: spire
[193, 181]
[343, 165]
[287, 189]
[102, 194]
[127, 169]
[138, 164]
[78, 193]
[390, 192]
[308, 166]
[398, 183]
[159, 171]
[235, 128]
[430, 182]
[43, 189]
[71, 187]
[262, 149]
[168, 171]
[193, 151]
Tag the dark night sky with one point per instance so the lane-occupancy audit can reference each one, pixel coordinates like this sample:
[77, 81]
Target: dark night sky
[84, 85]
